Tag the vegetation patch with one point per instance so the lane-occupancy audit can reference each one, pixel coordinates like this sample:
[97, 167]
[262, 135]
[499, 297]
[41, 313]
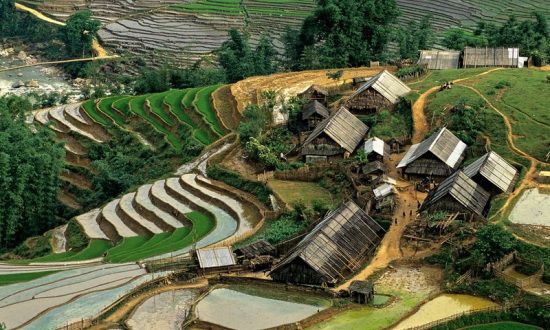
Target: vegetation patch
[6, 279]
[292, 192]
[258, 189]
[203, 103]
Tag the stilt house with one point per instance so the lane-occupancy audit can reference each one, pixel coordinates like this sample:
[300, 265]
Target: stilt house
[437, 157]
[314, 113]
[337, 136]
[439, 59]
[315, 93]
[493, 173]
[335, 248]
[458, 193]
[380, 92]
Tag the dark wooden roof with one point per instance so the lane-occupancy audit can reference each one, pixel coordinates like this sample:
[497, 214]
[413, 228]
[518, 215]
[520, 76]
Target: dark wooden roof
[463, 190]
[386, 84]
[439, 59]
[338, 243]
[373, 167]
[261, 247]
[314, 107]
[316, 89]
[443, 144]
[343, 128]
[495, 169]
[365, 287]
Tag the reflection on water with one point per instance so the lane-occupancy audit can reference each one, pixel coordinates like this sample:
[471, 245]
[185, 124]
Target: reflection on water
[237, 310]
[444, 306]
[533, 208]
[167, 311]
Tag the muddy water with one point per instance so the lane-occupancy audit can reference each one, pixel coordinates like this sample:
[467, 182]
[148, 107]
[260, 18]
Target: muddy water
[533, 208]
[443, 306]
[237, 310]
[164, 311]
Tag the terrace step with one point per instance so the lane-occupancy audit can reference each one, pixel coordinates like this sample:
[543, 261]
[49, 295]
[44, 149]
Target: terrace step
[89, 222]
[160, 197]
[145, 206]
[127, 208]
[110, 216]
[59, 115]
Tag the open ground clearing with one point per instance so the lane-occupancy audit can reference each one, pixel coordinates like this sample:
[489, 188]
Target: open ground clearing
[307, 192]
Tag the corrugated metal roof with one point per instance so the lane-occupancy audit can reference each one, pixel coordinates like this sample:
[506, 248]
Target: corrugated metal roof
[386, 84]
[314, 107]
[337, 243]
[463, 190]
[491, 56]
[442, 144]
[216, 257]
[382, 191]
[343, 127]
[439, 59]
[378, 146]
[495, 169]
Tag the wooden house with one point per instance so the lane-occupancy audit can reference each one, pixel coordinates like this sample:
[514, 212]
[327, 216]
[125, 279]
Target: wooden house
[258, 248]
[458, 194]
[436, 157]
[380, 92]
[337, 246]
[337, 136]
[439, 59]
[493, 173]
[373, 171]
[376, 149]
[315, 93]
[361, 292]
[491, 57]
[314, 113]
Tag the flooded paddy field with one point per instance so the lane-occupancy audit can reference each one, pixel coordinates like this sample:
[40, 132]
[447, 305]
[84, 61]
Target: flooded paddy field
[255, 307]
[533, 208]
[444, 306]
[166, 310]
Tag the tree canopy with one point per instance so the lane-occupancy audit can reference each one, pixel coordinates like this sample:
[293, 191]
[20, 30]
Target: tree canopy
[79, 33]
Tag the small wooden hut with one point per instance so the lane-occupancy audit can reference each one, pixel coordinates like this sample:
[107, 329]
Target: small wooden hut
[215, 259]
[337, 136]
[439, 59]
[314, 113]
[361, 292]
[384, 196]
[436, 157]
[373, 171]
[376, 149]
[335, 248]
[380, 92]
[491, 57]
[458, 194]
[493, 173]
[315, 93]
[258, 248]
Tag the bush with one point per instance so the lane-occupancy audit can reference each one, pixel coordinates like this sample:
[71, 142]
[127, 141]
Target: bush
[76, 239]
[258, 189]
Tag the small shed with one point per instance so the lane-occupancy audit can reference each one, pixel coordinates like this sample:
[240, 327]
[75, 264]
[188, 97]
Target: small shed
[337, 136]
[491, 57]
[439, 59]
[258, 248]
[493, 173]
[212, 258]
[314, 113]
[380, 92]
[436, 157]
[384, 196]
[335, 248]
[361, 292]
[458, 193]
[315, 93]
[374, 170]
[376, 149]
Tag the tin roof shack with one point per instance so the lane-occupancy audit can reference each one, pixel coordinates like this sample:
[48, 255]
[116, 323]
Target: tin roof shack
[384, 195]
[314, 113]
[493, 173]
[380, 92]
[376, 149]
[458, 194]
[335, 248]
[489, 57]
[439, 59]
[315, 93]
[215, 260]
[258, 248]
[436, 157]
[361, 292]
[337, 136]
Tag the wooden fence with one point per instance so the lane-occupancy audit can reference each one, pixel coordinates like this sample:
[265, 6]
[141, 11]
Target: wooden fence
[522, 283]
[456, 316]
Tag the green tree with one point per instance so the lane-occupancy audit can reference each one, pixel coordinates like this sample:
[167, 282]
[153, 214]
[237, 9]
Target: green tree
[8, 16]
[492, 243]
[415, 37]
[79, 32]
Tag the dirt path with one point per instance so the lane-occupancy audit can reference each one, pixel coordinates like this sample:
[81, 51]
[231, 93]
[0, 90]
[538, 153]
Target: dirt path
[420, 123]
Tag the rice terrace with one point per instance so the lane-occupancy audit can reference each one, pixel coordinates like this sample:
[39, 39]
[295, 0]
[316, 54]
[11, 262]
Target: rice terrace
[274, 164]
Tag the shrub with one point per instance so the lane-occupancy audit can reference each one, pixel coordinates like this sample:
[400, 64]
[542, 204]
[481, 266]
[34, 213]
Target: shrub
[258, 189]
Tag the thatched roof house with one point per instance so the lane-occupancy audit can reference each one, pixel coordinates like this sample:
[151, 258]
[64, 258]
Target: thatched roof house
[493, 173]
[458, 193]
[258, 248]
[314, 113]
[339, 134]
[439, 59]
[376, 149]
[439, 155]
[336, 247]
[315, 93]
[380, 92]
[488, 57]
